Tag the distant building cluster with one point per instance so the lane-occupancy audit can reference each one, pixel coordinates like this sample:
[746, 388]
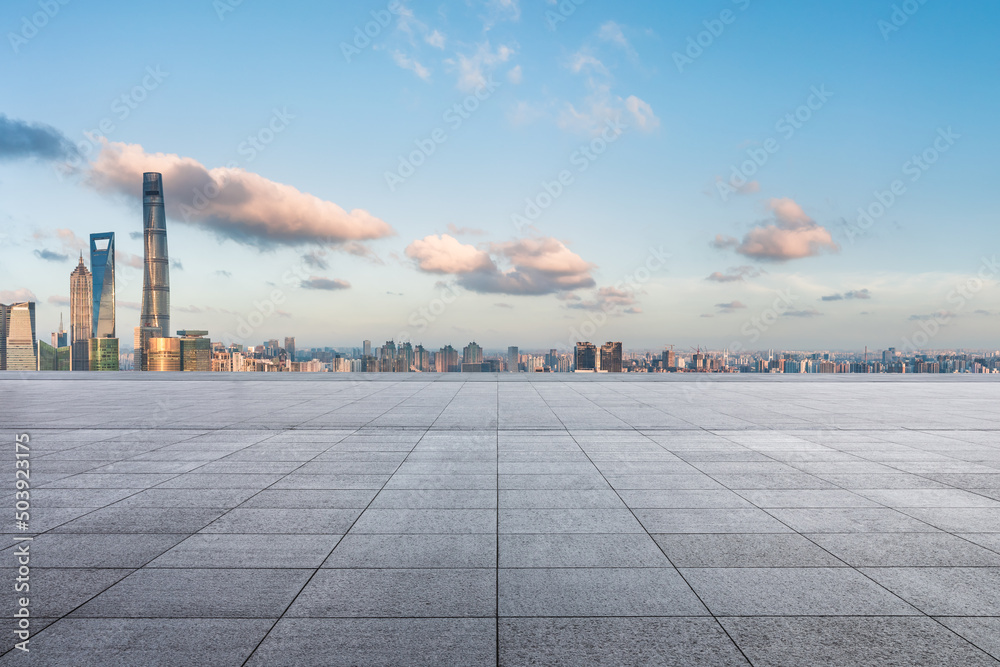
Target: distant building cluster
[91, 343]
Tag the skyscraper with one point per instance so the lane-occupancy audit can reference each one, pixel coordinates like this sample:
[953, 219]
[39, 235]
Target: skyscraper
[446, 360]
[102, 264]
[156, 266]
[586, 358]
[611, 358]
[472, 354]
[513, 359]
[21, 345]
[81, 315]
[367, 347]
[3, 336]
[60, 338]
[290, 347]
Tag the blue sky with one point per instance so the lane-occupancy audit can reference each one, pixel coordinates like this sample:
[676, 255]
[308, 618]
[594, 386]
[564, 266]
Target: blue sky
[308, 227]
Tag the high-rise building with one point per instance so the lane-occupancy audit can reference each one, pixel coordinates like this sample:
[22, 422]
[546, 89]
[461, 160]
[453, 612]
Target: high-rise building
[611, 357]
[367, 348]
[81, 315]
[103, 354]
[164, 354]
[447, 361]
[60, 338]
[669, 360]
[472, 354]
[19, 326]
[102, 265]
[421, 359]
[586, 358]
[196, 351]
[156, 265]
[290, 347]
[513, 359]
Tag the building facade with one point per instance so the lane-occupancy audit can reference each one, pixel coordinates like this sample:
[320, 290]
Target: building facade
[155, 311]
[164, 354]
[103, 354]
[81, 315]
[21, 349]
[585, 359]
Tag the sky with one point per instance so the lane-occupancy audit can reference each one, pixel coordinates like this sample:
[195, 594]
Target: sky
[733, 173]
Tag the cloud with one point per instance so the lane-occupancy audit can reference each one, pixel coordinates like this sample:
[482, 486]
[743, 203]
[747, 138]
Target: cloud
[503, 305]
[435, 39]
[189, 309]
[462, 231]
[224, 274]
[123, 258]
[130, 305]
[724, 242]
[735, 274]
[316, 260]
[176, 264]
[326, 284]
[135, 236]
[515, 75]
[17, 296]
[536, 265]
[707, 315]
[411, 64]
[248, 209]
[22, 140]
[642, 113]
[59, 300]
[612, 32]
[730, 307]
[790, 235]
[863, 294]
[474, 69]
[942, 316]
[50, 256]
[610, 300]
[811, 312]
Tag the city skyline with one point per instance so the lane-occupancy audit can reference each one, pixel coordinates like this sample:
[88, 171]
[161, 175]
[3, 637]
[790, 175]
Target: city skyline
[634, 184]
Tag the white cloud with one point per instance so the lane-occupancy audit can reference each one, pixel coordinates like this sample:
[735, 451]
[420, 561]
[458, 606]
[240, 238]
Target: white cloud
[411, 64]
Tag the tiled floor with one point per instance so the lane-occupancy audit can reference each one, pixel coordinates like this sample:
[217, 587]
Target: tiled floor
[470, 520]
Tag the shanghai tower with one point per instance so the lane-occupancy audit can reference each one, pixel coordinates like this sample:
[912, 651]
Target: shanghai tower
[155, 277]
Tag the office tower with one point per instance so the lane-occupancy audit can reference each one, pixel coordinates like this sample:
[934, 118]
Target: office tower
[19, 324]
[290, 347]
[367, 348]
[164, 354]
[196, 350]
[669, 360]
[103, 353]
[139, 356]
[421, 359]
[156, 266]
[585, 360]
[81, 315]
[472, 354]
[447, 360]
[611, 358]
[60, 338]
[102, 266]
[3, 336]
[513, 359]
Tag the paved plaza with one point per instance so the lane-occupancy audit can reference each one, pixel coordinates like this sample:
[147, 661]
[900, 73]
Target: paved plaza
[231, 519]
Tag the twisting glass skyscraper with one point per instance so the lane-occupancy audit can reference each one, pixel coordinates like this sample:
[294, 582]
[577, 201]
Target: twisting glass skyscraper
[102, 263]
[156, 267]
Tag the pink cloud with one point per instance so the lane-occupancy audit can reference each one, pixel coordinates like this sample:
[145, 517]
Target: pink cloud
[233, 202]
[792, 235]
